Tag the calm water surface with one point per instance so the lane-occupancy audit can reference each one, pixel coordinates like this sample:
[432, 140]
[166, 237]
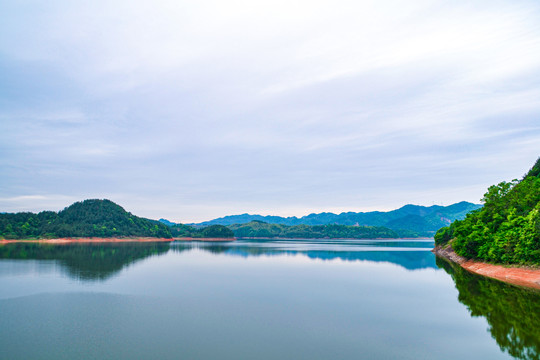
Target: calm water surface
[287, 299]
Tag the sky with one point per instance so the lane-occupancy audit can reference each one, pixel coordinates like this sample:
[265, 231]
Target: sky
[191, 110]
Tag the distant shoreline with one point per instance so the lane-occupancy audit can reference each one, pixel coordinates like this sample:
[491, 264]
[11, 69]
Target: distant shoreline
[521, 276]
[328, 238]
[98, 240]
[85, 240]
[204, 239]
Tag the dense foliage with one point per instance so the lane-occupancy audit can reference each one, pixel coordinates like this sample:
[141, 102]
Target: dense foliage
[213, 231]
[259, 229]
[96, 218]
[216, 231]
[513, 313]
[89, 218]
[507, 229]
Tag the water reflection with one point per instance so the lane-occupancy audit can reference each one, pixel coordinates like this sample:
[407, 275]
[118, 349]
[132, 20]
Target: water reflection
[411, 255]
[513, 313]
[97, 262]
[86, 262]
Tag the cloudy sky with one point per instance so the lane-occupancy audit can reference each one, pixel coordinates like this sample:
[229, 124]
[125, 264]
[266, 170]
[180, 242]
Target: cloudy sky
[191, 110]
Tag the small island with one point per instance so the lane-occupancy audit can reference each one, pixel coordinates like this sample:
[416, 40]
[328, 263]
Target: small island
[502, 239]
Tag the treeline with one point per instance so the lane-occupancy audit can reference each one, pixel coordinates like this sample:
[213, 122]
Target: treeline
[259, 229]
[213, 231]
[507, 229]
[92, 218]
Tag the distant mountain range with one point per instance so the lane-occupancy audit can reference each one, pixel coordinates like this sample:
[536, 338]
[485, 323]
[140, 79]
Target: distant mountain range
[421, 219]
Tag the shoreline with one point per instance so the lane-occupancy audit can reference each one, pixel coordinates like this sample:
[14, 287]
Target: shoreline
[97, 240]
[327, 238]
[205, 239]
[520, 276]
[88, 240]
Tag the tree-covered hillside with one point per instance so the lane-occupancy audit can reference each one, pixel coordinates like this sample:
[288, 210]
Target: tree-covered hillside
[88, 218]
[261, 229]
[96, 218]
[212, 231]
[507, 229]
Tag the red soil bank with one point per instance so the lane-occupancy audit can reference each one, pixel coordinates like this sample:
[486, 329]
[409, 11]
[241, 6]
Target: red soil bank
[92, 240]
[527, 277]
[86, 240]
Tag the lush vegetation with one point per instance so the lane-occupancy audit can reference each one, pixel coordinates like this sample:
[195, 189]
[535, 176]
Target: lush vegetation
[418, 219]
[89, 218]
[95, 218]
[507, 229]
[513, 313]
[213, 231]
[259, 229]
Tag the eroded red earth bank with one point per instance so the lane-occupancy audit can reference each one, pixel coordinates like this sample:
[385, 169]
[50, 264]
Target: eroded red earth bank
[108, 240]
[86, 240]
[514, 275]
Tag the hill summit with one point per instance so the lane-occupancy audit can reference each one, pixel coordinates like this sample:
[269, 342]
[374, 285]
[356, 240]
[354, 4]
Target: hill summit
[425, 220]
[88, 218]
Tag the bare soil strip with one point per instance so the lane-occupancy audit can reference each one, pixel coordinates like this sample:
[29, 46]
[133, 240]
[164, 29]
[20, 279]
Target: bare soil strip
[527, 277]
[85, 240]
[92, 240]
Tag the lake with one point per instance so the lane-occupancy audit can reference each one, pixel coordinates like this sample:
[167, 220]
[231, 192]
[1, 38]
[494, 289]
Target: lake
[257, 299]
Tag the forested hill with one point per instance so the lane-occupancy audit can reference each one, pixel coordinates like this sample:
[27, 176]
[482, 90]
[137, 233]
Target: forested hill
[96, 218]
[421, 219]
[259, 229]
[507, 229]
[89, 218]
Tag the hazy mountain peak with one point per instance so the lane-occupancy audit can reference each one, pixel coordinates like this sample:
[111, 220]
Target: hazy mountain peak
[427, 219]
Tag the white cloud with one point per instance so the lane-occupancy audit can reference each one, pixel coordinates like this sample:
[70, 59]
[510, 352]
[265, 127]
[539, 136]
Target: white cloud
[211, 107]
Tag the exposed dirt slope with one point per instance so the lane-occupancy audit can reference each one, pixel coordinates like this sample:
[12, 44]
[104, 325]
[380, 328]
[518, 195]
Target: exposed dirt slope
[514, 275]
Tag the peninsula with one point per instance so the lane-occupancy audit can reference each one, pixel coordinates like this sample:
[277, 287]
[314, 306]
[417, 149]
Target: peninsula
[502, 239]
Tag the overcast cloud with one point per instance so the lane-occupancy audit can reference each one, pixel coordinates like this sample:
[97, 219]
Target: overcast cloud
[194, 110]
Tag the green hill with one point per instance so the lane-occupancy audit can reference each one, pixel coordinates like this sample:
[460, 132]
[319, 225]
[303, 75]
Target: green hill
[261, 229]
[506, 229]
[212, 231]
[96, 218]
[89, 218]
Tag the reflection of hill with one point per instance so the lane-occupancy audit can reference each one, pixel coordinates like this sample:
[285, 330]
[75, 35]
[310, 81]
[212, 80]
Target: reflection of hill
[513, 313]
[86, 262]
[411, 260]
